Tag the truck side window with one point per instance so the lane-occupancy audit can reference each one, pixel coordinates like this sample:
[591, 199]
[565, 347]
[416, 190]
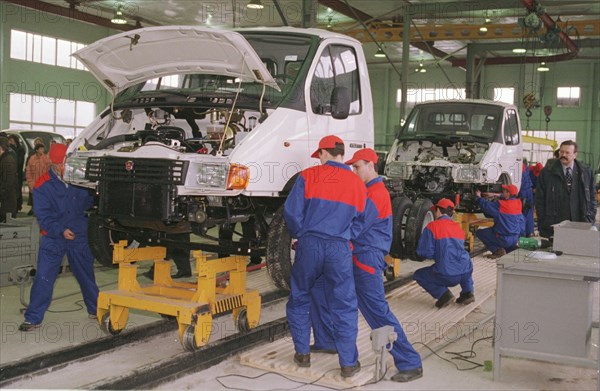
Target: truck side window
[511, 128]
[337, 67]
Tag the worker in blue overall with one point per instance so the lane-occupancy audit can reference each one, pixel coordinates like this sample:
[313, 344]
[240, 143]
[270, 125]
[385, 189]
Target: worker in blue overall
[60, 210]
[320, 211]
[528, 200]
[370, 245]
[444, 241]
[508, 222]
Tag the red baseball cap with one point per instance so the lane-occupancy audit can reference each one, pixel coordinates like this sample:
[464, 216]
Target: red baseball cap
[327, 142]
[363, 154]
[57, 153]
[512, 189]
[444, 203]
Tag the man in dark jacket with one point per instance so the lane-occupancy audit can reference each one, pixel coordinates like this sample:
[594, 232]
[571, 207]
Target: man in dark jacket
[16, 146]
[565, 191]
[8, 180]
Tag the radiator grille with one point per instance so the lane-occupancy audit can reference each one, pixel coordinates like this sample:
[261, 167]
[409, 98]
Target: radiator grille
[151, 171]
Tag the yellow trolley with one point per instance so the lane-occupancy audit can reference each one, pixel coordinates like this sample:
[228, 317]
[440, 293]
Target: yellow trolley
[192, 304]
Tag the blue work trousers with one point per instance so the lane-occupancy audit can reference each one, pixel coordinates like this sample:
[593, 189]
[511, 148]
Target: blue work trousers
[368, 278]
[437, 284]
[50, 255]
[493, 241]
[331, 260]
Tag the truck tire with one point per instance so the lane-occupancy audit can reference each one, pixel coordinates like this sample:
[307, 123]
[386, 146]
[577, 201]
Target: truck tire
[100, 240]
[418, 218]
[400, 210]
[280, 255]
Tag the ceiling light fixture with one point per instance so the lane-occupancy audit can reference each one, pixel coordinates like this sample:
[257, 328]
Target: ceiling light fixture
[119, 18]
[255, 5]
[519, 50]
[543, 67]
[380, 53]
[329, 23]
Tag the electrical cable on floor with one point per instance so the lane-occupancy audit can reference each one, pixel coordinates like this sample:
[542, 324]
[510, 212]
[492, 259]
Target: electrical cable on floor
[78, 303]
[462, 356]
[301, 384]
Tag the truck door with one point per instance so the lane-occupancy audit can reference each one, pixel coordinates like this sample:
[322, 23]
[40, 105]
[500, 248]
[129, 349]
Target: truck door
[338, 66]
[512, 157]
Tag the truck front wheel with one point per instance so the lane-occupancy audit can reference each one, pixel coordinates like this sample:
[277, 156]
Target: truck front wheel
[280, 255]
[419, 216]
[101, 239]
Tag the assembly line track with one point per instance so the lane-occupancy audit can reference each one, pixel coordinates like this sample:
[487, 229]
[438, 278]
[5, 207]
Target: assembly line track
[154, 374]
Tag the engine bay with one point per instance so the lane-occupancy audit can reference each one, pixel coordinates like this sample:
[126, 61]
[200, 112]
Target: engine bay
[426, 151]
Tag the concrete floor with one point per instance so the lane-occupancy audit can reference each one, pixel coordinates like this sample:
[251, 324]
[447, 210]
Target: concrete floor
[67, 325]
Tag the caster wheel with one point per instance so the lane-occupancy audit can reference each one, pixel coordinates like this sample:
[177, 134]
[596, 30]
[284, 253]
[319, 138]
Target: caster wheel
[242, 321]
[389, 273]
[188, 341]
[107, 327]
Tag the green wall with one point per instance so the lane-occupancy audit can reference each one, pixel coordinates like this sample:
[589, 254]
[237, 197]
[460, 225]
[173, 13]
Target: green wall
[40, 79]
[27, 77]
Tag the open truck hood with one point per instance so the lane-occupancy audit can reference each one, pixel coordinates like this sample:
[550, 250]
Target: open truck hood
[132, 57]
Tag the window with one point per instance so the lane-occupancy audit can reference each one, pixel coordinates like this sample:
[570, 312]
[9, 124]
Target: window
[511, 128]
[504, 94]
[44, 50]
[419, 95]
[337, 67]
[63, 116]
[567, 96]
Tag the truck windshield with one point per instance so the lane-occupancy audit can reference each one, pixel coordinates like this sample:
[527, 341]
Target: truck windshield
[282, 54]
[448, 121]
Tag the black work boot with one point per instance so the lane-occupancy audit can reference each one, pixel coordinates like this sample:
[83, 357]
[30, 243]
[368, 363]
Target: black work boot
[303, 360]
[446, 298]
[406, 376]
[351, 371]
[465, 298]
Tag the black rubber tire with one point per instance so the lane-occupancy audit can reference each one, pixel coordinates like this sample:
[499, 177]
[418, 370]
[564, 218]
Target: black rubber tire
[188, 341]
[242, 321]
[279, 253]
[99, 240]
[419, 213]
[107, 327]
[400, 209]
[389, 273]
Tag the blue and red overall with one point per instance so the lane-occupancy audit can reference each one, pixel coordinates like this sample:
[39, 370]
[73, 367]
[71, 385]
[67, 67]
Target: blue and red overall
[370, 247]
[526, 193]
[59, 206]
[444, 241]
[324, 204]
[508, 223]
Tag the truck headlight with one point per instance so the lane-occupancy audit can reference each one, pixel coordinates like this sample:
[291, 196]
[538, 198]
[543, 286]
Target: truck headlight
[469, 174]
[397, 170]
[75, 169]
[212, 175]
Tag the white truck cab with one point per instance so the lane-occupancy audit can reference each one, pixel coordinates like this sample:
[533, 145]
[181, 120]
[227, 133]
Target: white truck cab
[210, 127]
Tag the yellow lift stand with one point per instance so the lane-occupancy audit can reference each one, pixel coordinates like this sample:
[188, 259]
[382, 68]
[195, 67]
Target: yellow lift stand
[469, 222]
[192, 304]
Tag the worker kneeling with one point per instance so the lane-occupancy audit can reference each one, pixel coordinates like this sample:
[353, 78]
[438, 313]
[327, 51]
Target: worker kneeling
[509, 223]
[444, 241]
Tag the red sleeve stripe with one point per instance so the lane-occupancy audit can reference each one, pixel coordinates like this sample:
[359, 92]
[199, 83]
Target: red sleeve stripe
[511, 207]
[362, 266]
[334, 184]
[381, 198]
[41, 180]
[446, 229]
